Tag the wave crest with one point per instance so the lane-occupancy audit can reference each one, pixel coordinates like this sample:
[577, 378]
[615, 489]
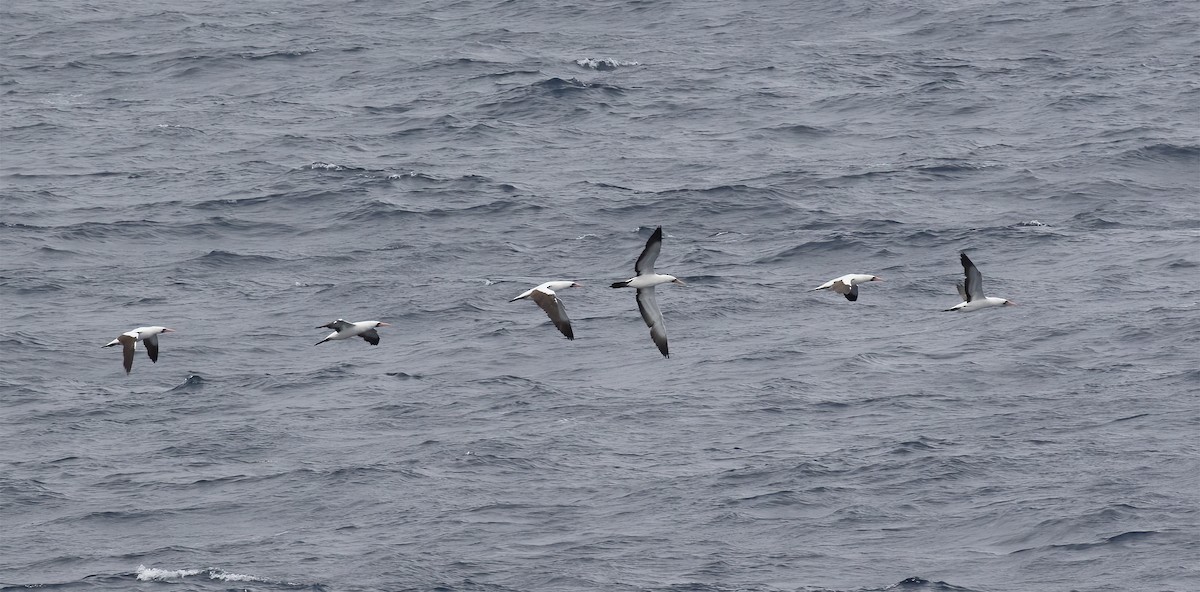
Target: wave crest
[604, 64]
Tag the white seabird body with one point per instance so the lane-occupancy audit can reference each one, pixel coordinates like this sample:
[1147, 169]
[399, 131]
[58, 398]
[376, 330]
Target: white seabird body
[970, 289]
[129, 340]
[546, 298]
[345, 330]
[847, 285]
[645, 281]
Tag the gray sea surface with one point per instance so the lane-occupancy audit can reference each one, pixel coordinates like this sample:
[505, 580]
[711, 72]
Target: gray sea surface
[244, 172]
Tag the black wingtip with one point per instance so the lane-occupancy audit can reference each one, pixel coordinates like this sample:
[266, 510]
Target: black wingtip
[620, 284]
[851, 297]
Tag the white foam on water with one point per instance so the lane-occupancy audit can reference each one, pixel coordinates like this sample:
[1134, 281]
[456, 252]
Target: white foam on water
[152, 574]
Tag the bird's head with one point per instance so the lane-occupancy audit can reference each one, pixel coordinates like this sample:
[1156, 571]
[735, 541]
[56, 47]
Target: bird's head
[575, 285]
[166, 330]
[1009, 303]
[875, 278]
[675, 280]
[382, 324]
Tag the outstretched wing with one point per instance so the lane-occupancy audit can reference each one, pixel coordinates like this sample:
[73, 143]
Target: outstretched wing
[337, 325]
[648, 306]
[962, 291]
[645, 262]
[152, 347]
[973, 284]
[554, 308]
[371, 335]
[127, 343]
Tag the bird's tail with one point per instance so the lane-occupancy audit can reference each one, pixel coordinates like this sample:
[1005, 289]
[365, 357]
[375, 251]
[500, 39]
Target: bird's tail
[621, 284]
[321, 341]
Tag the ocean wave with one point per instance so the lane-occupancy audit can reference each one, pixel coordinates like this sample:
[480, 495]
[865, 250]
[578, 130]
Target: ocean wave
[799, 130]
[286, 54]
[604, 64]
[100, 231]
[1165, 152]
[458, 63]
[150, 574]
[951, 168]
[404, 375]
[26, 491]
[1115, 540]
[380, 211]
[315, 196]
[921, 584]
[411, 175]
[562, 86]
[169, 128]
[1095, 220]
[191, 384]
[561, 96]
[329, 166]
[153, 574]
[219, 258]
[221, 226]
[506, 73]
[806, 250]
[496, 207]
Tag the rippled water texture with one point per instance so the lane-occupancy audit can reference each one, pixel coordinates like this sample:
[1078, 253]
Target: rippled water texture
[245, 172]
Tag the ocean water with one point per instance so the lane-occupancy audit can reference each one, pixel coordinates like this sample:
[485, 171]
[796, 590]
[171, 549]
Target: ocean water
[244, 172]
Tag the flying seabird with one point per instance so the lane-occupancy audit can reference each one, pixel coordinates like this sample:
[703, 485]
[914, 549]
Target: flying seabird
[130, 339]
[644, 281]
[971, 290]
[545, 297]
[345, 330]
[847, 285]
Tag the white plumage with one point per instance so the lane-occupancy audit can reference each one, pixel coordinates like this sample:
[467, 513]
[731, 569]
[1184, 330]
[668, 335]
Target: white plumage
[847, 285]
[971, 290]
[548, 300]
[129, 340]
[644, 281]
[345, 330]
